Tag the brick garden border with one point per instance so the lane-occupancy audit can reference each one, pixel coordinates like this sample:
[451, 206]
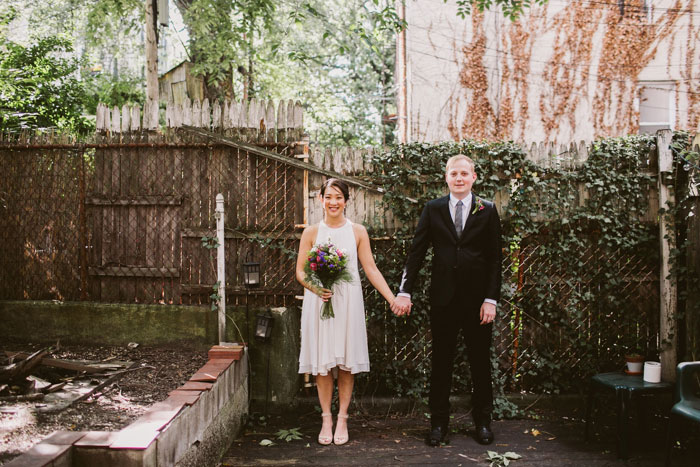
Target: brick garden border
[193, 426]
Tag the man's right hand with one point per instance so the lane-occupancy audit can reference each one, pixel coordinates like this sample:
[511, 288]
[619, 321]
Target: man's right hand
[401, 306]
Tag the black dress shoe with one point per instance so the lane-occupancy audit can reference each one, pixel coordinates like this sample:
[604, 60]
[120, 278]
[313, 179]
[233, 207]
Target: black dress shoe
[484, 435]
[437, 436]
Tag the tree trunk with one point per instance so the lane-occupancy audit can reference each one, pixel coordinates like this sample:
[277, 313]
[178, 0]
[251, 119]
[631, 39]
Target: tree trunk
[150, 114]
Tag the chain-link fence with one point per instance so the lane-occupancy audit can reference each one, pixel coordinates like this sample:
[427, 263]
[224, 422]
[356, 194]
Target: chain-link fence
[40, 220]
[556, 324]
[561, 314]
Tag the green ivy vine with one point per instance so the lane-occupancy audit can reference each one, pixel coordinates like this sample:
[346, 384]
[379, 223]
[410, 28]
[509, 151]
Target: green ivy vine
[577, 310]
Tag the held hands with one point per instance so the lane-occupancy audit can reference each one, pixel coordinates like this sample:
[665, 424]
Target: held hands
[487, 313]
[401, 306]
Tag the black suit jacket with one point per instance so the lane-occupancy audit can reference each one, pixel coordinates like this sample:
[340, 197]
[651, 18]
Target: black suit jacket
[470, 264]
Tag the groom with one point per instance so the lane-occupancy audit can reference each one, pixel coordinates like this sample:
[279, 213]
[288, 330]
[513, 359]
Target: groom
[465, 232]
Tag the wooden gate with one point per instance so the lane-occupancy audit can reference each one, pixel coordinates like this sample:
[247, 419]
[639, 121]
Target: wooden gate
[152, 204]
[135, 210]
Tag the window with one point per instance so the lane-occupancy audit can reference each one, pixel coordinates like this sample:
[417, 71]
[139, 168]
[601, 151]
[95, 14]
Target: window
[649, 11]
[657, 106]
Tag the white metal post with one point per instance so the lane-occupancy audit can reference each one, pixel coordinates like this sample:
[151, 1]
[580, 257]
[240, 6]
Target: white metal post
[221, 266]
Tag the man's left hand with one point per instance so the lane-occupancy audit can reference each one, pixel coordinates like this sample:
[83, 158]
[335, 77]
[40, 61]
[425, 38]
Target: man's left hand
[487, 313]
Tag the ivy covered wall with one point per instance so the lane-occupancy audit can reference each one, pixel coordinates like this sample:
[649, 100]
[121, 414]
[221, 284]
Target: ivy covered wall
[581, 266]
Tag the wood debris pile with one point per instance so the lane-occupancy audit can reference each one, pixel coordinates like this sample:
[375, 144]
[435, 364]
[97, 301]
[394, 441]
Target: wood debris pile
[55, 383]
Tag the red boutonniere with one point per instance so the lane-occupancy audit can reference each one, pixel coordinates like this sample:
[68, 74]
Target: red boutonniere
[478, 206]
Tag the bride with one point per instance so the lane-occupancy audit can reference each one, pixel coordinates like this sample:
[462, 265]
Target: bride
[337, 345]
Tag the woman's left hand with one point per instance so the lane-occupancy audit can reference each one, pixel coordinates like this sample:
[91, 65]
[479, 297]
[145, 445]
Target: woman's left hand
[325, 294]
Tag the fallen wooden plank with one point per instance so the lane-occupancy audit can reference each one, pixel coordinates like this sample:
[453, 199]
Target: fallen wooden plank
[113, 377]
[23, 398]
[20, 370]
[55, 387]
[79, 390]
[69, 365]
[37, 384]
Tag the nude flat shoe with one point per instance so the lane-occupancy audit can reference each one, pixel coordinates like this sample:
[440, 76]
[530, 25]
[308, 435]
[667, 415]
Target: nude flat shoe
[325, 440]
[339, 440]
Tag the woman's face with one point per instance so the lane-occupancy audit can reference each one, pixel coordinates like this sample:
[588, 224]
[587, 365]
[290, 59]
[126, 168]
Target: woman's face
[333, 202]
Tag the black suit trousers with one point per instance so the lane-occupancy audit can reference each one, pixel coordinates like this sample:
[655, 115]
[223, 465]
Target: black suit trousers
[445, 323]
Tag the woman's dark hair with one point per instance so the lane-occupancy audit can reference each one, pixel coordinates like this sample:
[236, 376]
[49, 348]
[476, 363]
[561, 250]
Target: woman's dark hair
[339, 184]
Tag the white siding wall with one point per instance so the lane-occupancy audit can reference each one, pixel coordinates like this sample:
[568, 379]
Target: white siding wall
[520, 74]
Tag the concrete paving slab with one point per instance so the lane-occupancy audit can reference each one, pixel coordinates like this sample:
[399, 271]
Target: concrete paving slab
[43, 454]
[64, 437]
[163, 411]
[138, 435]
[203, 377]
[233, 353]
[224, 362]
[188, 397]
[195, 386]
[96, 439]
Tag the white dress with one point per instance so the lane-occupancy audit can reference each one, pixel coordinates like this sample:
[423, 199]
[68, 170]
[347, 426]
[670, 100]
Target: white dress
[340, 341]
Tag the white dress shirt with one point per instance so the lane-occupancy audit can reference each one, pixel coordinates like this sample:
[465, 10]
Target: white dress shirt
[465, 214]
[465, 209]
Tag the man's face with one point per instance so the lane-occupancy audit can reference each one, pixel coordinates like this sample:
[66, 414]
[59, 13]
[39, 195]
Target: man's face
[460, 177]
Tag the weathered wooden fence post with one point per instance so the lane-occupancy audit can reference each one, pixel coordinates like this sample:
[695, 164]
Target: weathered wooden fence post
[221, 266]
[305, 181]
[667, 236]
[692, 318]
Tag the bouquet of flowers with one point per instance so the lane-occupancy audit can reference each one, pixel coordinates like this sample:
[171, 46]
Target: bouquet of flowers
[326, 265]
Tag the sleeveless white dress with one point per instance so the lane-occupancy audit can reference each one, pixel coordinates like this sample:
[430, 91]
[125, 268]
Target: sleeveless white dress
[340, 341]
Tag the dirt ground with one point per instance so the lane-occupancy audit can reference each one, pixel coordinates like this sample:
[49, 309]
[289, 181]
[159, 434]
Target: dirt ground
[164, 368]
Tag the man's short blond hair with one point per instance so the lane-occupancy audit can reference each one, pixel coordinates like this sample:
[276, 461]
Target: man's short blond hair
[460, 157]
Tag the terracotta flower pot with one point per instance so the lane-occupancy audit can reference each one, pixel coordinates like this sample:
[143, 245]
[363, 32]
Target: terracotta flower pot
[634, 364]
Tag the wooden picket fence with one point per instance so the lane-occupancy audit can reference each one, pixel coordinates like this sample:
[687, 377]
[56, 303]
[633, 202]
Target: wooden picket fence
[255, 120]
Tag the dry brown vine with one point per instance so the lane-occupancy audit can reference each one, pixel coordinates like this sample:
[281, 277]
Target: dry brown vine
[597, 57]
